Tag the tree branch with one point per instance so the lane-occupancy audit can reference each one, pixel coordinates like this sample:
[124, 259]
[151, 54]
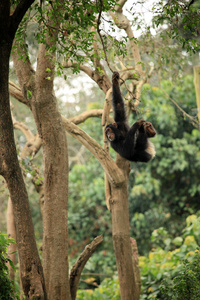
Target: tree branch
[21, 126]
[122, 22]
[192, 119]
[107, 107]
[85, 115]
[16, 93]
[105, 118]
[70, 64]
[114, 174]
[24, 70]
[119, 6]
[102, 80]
[75, 273]
[33, 143]
[18, 15]
[140, 85]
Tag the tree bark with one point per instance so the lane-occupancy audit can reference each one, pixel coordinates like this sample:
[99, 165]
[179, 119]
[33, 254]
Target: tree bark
[55, 156]
[55, 234]
[77, 268]
[31, 269]
[118, 194]
[31, 148]
[136, 264]
[121, 235]
[11, 231]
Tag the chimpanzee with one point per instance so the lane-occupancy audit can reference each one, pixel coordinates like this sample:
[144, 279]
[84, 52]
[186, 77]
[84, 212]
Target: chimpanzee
[131, 143]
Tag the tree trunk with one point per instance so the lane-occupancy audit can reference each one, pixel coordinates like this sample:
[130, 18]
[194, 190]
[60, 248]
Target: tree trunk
[136, 264]
[55, 233]
[55, 157]
[11, 230]
[31, 269]
[121, 236]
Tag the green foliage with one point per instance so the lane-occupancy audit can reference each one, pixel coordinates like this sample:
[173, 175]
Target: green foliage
[75, 37]
[172, 274]
[88, 213]
[182, 21]
[109, 290]
[185, 285]
[162, 193]
[6, 286]
[165, 274]
[165, 191]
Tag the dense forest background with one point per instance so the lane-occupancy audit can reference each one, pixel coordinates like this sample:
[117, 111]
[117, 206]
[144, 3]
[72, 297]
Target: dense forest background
[164, 207]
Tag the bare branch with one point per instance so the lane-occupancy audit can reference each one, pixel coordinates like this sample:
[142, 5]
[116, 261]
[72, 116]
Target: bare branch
[122, 22]
[105, 118]
[85, 115]
[33, 143]
[108, 195]
[102, 79]
[16, 93]
[21, 126]
[75, 273]
[107, 107]
[32, 147]
[24, 69]
[70, 64]
[120, 5]
[192, 119]
[140, 85]
[114, 174]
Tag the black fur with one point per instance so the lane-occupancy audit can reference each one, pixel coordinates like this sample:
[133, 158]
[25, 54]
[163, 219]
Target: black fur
[131, 143]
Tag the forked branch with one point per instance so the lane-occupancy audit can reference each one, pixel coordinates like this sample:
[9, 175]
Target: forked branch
[80, 263]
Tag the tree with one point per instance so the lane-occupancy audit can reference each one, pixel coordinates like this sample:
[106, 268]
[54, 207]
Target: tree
[182, 20]
[37, 90]
[31, 269]
[77, 28]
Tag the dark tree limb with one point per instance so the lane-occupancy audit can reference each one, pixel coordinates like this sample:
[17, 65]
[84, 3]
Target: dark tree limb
[77, 269]
[18, 15]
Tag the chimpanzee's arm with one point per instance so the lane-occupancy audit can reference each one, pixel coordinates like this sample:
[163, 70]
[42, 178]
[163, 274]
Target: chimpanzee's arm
[117, 100]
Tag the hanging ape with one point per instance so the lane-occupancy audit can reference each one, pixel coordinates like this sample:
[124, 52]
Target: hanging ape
[131, 143]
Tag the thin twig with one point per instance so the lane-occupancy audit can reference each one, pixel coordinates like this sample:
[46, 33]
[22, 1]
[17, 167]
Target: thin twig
[194, 122]
[99, 32]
